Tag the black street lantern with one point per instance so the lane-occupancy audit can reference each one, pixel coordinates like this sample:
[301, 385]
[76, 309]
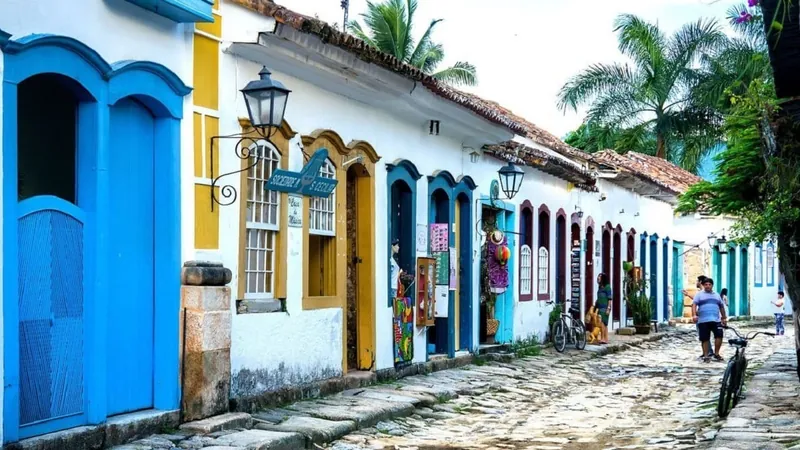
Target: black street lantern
[266, 100]
[722, 245]
[510, 179]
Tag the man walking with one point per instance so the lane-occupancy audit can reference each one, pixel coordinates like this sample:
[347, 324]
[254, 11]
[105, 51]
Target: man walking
[708, 312]
[708, 353]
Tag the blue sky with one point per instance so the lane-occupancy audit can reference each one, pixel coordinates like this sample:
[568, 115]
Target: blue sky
[525, 50]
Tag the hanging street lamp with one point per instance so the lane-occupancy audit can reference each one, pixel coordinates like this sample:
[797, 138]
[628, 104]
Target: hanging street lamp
[722, 245]
[266, 101]
[510, 179]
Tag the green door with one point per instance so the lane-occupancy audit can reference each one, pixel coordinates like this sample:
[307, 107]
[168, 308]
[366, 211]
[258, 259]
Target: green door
[731, 284]
[677, 280]
[744, 301]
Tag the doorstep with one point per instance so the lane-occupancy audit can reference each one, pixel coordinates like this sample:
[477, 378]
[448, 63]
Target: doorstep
[116, 431]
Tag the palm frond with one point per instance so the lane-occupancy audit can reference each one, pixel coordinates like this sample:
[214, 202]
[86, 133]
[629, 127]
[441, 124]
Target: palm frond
[423, 47]
[460, 74]
[429, 57]
[594, 81]
[643, 42]
[355, 29]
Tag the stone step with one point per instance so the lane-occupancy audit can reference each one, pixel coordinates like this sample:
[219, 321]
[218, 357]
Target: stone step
[262, 440]
[317, 431]
[228, 421]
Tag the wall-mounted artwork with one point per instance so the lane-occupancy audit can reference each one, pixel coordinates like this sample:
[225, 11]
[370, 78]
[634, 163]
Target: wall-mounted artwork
[440, 237]
[403, 331]
[426, 291]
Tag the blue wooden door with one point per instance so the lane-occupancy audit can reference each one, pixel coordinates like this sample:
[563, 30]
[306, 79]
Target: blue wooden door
[731, 281]
[665, 271]
[131, 304]
[51, 315]
[677, 280]
[654, 277]
[744, 301]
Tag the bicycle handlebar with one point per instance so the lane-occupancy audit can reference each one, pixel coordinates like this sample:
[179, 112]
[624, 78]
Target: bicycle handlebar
[750, 335]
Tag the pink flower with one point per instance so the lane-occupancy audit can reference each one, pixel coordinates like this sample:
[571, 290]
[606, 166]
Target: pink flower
[752, 3]
[744, 16]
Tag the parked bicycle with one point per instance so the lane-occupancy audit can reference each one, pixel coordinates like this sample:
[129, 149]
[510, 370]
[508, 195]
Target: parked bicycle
[733, 380]
[567, 330]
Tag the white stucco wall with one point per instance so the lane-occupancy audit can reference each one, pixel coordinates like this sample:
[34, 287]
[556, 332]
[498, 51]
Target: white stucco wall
[2, 317]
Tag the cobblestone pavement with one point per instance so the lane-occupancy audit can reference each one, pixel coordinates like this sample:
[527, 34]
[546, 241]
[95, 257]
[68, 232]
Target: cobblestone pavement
[769, 416]
[656, 396]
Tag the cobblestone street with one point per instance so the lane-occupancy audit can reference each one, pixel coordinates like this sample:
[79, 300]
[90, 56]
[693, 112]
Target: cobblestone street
[656, 396]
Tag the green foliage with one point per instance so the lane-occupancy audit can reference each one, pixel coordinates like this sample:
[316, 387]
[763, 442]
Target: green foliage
[527, 347]
[389, 27]
[652, 100]
[555, 315]
[638, 301]
[752, 183]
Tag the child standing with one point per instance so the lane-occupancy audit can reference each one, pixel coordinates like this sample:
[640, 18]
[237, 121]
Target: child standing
[778, 310]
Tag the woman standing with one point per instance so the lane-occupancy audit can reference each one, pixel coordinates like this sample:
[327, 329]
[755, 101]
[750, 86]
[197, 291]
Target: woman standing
[723, 294]
[603, 305]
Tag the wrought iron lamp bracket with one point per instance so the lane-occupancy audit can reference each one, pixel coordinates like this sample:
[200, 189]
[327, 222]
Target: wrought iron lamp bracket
[246, 144]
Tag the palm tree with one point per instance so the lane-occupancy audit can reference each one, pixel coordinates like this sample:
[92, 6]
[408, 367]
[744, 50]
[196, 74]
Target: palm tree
[656, 91]
[389, 27]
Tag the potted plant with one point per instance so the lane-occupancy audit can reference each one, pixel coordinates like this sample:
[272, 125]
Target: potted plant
[639, 303]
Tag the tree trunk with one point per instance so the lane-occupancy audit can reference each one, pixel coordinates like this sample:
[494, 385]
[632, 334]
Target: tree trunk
[784, 46]
[784, 55]
[661, 146]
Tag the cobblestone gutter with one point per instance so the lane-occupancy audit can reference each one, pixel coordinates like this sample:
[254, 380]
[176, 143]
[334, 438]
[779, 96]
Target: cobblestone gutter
[769, 416]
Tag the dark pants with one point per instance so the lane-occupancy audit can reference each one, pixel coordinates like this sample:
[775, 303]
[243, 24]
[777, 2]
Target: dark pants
[779, 323]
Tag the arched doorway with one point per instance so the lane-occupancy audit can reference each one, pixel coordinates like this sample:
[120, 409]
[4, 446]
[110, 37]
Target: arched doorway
[88, 227]
[463, 271]
[561, 256]
[590, 281]
[606, 257]
[653, 251]
[440, 214]
[575, 262]
[744, 282]
[360, 315]
[732, 285]
[616, 276]
[402, 180]
[665, 278]
[631, 257]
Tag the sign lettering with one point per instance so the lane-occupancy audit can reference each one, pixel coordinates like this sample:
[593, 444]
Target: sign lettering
[307, 182]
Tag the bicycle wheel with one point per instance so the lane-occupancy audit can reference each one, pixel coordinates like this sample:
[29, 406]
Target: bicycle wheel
[727, 391]
[559, 336]
[580, 335]
[740, 385]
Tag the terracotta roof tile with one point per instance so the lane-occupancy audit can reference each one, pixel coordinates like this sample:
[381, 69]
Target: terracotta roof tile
[521, 154]
[656, 170]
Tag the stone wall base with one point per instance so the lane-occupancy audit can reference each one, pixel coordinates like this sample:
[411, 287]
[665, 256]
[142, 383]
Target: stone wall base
[335, 385]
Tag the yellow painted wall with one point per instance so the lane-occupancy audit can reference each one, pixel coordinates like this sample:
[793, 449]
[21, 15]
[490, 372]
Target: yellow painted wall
[205, 121]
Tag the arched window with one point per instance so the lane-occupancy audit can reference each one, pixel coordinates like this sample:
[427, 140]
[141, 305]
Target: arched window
[544, 271]
[526, 283]
[758, 269]
[770, 264]
[525, 272]
[322, 211]
[543, 291]
[262, 223]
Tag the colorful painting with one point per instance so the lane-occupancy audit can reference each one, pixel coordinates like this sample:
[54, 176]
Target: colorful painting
[403, 330]
[426, 300]
[440, 237]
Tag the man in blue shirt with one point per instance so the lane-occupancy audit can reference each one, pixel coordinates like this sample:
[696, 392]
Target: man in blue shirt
[707, 310]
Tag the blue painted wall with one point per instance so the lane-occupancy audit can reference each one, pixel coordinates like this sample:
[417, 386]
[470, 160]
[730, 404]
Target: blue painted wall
[98, 87]
[504, 305]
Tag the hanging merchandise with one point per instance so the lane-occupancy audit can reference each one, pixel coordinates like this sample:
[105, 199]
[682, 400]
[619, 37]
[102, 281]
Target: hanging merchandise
[403, 331]
[498, 272]
[503, 254]
[575, 269]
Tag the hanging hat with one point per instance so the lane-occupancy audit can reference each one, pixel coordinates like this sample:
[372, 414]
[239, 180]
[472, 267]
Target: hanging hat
[496, 237]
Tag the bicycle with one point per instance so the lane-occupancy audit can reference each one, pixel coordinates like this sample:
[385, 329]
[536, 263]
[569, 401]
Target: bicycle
[568, 330]
[733, 380]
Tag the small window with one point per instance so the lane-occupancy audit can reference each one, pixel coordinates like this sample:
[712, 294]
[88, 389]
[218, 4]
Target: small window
[758, 276]
[770, 265]
[261, 223]
[322, 240]
[544, 270]
[526, 270]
